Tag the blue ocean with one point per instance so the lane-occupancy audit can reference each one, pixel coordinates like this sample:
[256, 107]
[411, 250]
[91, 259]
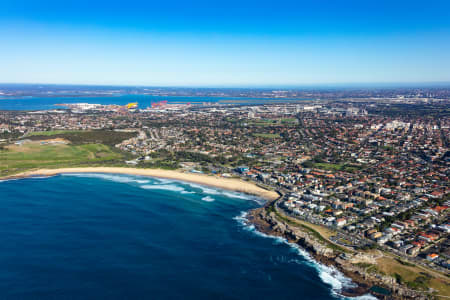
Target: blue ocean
[103, 236]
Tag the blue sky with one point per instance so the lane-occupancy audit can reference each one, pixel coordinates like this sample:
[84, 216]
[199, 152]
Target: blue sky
[224, 43]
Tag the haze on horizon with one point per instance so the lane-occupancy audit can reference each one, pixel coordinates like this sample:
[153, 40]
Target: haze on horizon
[234, 43]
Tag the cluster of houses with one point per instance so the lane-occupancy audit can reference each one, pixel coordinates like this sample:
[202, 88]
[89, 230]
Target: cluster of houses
[377, 176]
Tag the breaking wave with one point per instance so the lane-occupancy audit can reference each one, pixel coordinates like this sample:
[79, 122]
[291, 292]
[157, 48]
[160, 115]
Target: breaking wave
[225, 193]
[363, 297]
[12, 179]
[115, 178]
[208, 199]
[163, 180]
[167, 187]
[258, 200]
[203, 189]
[156, 183]
[187, 192]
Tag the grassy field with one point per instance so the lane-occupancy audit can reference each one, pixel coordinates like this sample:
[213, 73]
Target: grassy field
[50, 133]
[106, 137]
[413, 276]
[288, 120]
[32, 155]
[335, 167]
[273, 122]
[267, 135]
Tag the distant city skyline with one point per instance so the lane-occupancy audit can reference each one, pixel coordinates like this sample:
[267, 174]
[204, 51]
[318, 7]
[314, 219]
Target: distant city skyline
[229, 44]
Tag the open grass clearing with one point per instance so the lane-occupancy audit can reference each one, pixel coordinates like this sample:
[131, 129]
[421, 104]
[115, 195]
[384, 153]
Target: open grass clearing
[414, 276]
[267, 135]
[336, 167]
[106, 137]
[33, 155]
[52, 132]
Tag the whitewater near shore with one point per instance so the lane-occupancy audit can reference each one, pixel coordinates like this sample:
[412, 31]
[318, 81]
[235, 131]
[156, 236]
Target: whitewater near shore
[231, 184]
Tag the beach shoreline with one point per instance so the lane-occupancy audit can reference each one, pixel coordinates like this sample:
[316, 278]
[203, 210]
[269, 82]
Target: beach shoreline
[232, 184]
[262, 220]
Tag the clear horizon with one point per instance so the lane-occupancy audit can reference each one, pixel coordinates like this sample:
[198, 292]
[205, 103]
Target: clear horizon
[362, 85]
[233, 44]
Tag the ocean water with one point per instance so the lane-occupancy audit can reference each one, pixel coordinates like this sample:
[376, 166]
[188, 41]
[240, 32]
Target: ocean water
[99, 236]
[48, 103]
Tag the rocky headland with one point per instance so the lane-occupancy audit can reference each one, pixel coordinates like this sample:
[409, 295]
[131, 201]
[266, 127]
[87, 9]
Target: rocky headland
[268, 221]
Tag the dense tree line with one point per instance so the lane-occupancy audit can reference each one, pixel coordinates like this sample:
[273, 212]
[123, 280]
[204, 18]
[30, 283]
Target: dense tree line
[105, 137]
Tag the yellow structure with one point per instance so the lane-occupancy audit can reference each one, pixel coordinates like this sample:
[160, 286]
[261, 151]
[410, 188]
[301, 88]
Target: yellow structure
[132, 105]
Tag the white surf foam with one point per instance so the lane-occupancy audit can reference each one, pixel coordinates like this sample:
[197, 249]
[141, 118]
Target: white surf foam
[244, 197]
[327, 274]
[142, 181]
[208, 199]
[12, 179]
[164, 181]
[168, 184]
[115, 178]
[242, 218]
[31, 177]
[225, 193]
[167, 187]
[187, 192]
[363, 297]
[204, 189]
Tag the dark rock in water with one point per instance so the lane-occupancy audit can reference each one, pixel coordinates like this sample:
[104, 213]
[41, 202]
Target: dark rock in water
[380, 291]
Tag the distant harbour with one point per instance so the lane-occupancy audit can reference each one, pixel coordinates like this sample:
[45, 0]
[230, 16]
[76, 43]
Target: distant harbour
[48, 103]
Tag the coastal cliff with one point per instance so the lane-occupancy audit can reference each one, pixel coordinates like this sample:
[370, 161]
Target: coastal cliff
[383, 287]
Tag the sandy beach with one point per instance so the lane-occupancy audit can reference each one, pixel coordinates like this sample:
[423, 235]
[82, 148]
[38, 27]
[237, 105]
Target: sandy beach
[215, 181]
